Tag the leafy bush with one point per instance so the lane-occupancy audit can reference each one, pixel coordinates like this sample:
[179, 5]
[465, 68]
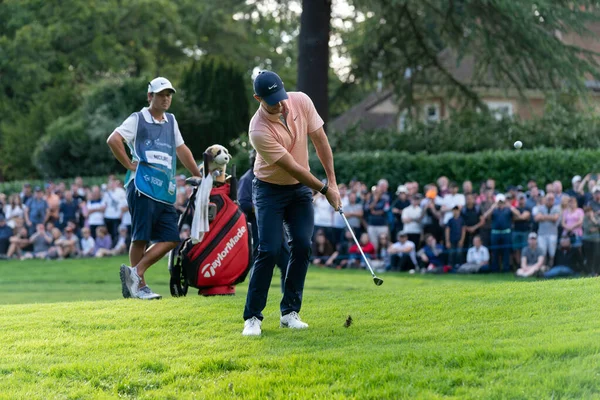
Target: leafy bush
[506, 167]
[468, 131]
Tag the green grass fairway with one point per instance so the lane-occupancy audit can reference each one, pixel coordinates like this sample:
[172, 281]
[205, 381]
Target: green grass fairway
[67, 334]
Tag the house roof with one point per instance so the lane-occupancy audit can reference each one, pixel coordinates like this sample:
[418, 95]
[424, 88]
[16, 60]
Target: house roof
[359, 114]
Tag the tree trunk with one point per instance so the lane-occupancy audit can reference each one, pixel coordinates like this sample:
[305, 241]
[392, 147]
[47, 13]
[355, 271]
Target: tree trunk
[313, 53]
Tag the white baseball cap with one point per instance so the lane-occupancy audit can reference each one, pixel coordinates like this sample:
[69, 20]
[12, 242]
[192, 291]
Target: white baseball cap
[576, 178]
[500, 197]
[159, 84]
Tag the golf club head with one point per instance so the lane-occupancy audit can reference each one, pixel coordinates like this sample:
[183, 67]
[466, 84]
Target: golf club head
[378, 281]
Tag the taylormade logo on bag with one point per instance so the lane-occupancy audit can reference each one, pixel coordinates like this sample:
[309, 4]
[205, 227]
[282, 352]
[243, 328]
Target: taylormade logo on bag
[208, 270]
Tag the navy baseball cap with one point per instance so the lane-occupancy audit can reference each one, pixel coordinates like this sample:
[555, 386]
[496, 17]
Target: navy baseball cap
[269, 86]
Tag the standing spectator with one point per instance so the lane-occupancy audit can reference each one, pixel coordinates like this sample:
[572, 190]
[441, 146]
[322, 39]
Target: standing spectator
[558, 191]
[547, 216]
[37, 209]
[451, 200]
[338, 222]
[26, 193]
[403, 255]
[594, 203]
[378, 207]
[431, 213]
[532, 259]
[354, 213]
[113, 199]
[95, 210]
[467, 187]
[549, 188]
[5, 234]
[491, 185]
[482, 194]
[14, 211]
[431, 256]
[522, 227]
[478, 258]
[534, 198]
[501, 238]
[398, 207]
[576, 190]
[368, 249]
[591, 241]
[103, 239]
[471, 214]
[88, 244]
[323, 216]
[442, 184]
[412, 217]
[53, 201]
[455, 237]
[567, 261]
[68, 210]
[572, 223]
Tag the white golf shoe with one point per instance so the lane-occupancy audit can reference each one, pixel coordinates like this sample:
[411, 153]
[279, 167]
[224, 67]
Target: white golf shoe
[292, 320]
[252, 327]
[132, 280]
[145, 293]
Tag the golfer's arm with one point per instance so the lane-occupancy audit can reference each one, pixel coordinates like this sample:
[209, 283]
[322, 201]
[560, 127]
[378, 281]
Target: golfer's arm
[301, 174]
[115, 142]
[187, 159]
[319, 139]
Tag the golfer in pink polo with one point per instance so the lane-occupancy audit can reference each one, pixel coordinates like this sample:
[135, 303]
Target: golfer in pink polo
[282, 196]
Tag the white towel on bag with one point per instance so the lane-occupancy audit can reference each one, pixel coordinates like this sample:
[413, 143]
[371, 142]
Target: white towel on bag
[200, 223]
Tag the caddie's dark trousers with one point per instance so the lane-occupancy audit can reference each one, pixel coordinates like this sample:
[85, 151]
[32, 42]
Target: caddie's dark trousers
[277, 206]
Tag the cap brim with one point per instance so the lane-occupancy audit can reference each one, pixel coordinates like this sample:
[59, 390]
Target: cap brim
[276, 97]
[168, 87]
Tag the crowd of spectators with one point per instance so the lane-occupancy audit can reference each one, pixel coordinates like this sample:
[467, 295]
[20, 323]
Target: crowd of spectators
[447, 227]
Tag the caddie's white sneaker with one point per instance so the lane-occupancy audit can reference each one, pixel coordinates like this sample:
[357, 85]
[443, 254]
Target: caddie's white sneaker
[145, 293]
[132, 280]
[252, 327]
[292, 320]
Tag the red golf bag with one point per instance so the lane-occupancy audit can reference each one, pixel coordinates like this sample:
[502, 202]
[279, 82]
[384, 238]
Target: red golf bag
[223, 258]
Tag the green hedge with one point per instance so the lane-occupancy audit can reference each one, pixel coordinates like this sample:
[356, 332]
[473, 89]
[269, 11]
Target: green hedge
[506, 167]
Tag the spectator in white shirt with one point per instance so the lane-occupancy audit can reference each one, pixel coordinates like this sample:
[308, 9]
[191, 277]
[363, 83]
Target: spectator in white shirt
[451, 200]
[403, 254]
[412, 217]
[339, 226]
[323, 216]
[88, 244]
[113, 198]
[95, 210]
[354, 212]
[478, 258]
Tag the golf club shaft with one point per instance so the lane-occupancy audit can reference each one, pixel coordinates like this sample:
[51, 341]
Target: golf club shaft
[357, 243]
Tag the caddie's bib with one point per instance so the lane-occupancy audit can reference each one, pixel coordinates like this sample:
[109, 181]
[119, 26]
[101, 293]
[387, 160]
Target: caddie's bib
[155, 150]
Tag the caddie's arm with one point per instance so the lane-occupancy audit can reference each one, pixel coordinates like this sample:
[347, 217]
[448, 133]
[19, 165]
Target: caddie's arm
[115, 142]
[187, 159]
[319, 139]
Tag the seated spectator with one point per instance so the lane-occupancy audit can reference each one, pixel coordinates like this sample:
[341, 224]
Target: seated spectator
[341, 255]
[532, 258]
[567, 261]
[382, 257]
[41, 241]
[120, 247]
[103, 239]
[367, 248]
[403, 255]
[5, 234]
[88, 244]
[455, 237]
[18, 244]
[69, 243]
[572, 222]
[55, 251]
[322, 250]
[431, 256]
[478, 258]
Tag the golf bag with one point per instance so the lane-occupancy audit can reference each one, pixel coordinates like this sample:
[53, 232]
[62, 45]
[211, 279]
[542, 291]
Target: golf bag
[223, 258]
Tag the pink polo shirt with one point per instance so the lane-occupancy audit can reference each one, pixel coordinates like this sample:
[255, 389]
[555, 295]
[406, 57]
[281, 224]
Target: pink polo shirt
[272, 140]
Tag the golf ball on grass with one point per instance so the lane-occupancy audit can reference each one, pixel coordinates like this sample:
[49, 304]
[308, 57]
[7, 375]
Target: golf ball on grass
[518, 144]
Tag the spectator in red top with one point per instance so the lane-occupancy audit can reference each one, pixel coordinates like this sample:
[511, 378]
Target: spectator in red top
[367, 248]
